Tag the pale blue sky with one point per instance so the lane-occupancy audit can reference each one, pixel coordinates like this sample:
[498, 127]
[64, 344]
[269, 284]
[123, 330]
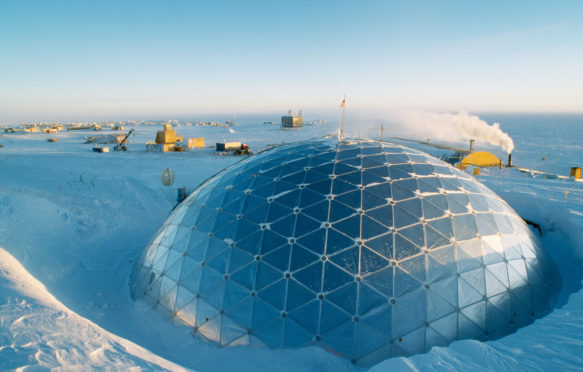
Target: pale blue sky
[77, 60]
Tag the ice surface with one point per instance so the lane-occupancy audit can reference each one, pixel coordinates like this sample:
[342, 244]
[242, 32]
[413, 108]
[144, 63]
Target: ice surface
[76, 220]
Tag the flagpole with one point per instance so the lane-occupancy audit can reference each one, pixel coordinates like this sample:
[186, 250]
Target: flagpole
[343, 112]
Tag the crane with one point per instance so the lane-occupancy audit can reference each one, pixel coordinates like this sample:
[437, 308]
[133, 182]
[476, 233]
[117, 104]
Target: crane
[122, 146]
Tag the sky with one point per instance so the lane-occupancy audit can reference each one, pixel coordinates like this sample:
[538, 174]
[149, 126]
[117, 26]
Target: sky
[101, 60]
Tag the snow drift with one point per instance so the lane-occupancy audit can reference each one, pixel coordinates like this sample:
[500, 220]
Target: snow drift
[33, 323]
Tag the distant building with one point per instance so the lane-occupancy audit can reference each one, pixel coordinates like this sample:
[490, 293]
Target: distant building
[292, 121]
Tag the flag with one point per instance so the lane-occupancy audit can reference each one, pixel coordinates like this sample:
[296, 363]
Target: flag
[343, 103]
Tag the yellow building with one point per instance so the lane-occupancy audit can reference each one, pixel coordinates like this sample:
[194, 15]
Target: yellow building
[480, 159]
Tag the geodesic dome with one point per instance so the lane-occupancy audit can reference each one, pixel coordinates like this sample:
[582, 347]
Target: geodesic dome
[368, 249]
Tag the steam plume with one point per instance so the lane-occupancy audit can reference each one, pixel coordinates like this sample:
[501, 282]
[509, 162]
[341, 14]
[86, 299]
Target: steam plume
[454, 127]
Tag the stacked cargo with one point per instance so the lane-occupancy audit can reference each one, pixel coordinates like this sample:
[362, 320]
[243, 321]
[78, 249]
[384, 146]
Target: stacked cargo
[168, 140]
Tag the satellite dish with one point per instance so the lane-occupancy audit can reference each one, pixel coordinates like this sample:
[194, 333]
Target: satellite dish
[167, 177]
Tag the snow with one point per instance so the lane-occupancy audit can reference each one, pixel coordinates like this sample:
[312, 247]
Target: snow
[38, 330]
[73, 222]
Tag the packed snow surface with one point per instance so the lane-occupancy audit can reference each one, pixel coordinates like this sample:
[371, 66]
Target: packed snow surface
[73, 222]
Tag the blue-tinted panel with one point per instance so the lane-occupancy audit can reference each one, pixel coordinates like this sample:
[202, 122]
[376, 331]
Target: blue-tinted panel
[404, 189]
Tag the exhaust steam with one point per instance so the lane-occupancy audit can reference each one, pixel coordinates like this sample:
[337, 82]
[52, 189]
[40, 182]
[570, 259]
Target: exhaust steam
[454, 127]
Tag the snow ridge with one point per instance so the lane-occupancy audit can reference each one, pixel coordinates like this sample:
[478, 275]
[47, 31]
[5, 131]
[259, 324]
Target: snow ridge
[38, 330]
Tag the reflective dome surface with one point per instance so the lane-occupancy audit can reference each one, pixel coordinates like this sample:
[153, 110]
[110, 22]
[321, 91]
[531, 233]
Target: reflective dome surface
[367, 249]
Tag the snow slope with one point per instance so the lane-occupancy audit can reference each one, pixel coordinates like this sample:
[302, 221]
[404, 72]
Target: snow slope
[77, 221]
[38, 330]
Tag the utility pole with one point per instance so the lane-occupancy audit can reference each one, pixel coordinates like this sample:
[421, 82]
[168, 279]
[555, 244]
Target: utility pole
[343, 105]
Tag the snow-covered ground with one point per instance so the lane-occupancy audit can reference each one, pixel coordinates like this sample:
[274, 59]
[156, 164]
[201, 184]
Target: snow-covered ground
[73, 222]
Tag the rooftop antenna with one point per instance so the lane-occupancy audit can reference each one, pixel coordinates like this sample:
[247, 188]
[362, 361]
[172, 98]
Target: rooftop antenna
[343, 105]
